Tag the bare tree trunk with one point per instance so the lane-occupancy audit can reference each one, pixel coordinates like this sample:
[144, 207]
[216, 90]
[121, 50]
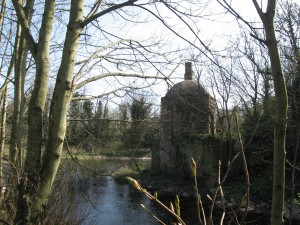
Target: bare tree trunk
[17, 121]
[2, 13]
[4, 103]
[58, 111]
[3, 123]
[40, 172]
[280, 112]
[21, 51]
[40, 52]
[288, 17]
[39, 95]
[4, 89]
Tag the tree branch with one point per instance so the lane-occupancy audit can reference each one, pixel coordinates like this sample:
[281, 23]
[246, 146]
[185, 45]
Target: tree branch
[119, 74]
[263, 42]
[228, 7]
[98, 96]
[271, 6]
[106, 11]
[258, 9]
[32, 45]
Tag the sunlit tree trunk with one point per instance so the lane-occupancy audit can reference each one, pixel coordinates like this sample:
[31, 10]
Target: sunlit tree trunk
[39, 173]
[20, 60]
[4, 102]
[40, 52]
[58, 111]
[19, 101]
[3, 122]
[39, 95]
[280, 112]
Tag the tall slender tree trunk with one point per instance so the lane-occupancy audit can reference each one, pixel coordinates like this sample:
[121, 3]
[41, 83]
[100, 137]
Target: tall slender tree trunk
[4, 103]
[2, 13]
[4, 93]
[3, 124]
[40, 172]
[58, 111]
[39, 95]
[17, 122]
[21, 51]
[40, 52]
[281, 99]
[280, 124]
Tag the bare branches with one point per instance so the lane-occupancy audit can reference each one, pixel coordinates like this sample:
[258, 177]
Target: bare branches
[232, 11]
[25, 25]
[207, 54]
[106, 11]
[259, 39]
[138, 187]
[241, 147]
[115, 74]
[99, 96]
[95, 8]
[258, 9]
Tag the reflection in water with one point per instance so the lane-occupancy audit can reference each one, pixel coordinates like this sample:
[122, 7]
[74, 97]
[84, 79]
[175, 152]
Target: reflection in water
[110, 202]
[107, 200]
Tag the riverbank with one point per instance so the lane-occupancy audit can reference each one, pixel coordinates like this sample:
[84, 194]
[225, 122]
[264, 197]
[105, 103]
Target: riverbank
[230, 201]
[112, 153]
[83, 157]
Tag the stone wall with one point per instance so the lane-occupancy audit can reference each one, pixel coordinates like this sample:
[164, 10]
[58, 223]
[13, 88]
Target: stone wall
[174, 157]
[187, 111]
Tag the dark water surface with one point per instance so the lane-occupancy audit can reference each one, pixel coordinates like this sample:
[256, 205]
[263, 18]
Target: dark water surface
[108, 201]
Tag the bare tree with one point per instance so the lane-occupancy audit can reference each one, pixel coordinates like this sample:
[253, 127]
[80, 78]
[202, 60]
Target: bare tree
[40, 168]
[270, 41]
[281, 99]
[4, 90]
[288, 23]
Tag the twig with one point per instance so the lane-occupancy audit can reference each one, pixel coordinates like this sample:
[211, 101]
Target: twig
[293, 175]
[245, 170]
[198, 197]
[137, 186]
[152, 214]
[222, 194]
[79, 163]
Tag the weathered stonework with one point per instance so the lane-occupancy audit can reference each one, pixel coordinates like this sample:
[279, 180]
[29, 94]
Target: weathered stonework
[187, 110]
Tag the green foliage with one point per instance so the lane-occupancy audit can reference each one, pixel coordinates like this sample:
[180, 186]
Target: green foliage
[89, 127]
[297, 199]
[143, 131]
[101, 127]
[258, 131]
[87, 109]
[74, 128]
[94, 128]
[259, 190]
[139, 109]
[192, 137]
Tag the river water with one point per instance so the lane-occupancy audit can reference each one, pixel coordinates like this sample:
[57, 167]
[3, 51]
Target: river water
[101, 199]
[108, 201]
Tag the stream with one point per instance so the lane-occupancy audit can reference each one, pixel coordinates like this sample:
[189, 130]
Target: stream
[105, 200]
[101, 199]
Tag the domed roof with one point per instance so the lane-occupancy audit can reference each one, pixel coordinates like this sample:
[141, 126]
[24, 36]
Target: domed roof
[187, 87]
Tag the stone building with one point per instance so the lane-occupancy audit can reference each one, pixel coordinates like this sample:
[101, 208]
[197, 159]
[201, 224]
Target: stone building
[188, 118]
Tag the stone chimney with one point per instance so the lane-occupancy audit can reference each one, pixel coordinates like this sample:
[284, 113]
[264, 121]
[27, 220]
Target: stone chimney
[188, 71]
